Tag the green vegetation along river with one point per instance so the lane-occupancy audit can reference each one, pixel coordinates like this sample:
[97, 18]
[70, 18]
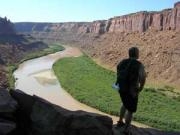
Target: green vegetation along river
[91, 84]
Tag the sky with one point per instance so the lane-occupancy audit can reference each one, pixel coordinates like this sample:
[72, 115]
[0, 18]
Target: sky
[76, 10]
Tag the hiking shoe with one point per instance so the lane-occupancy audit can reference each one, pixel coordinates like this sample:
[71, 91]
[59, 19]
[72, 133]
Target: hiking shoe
[120, 124]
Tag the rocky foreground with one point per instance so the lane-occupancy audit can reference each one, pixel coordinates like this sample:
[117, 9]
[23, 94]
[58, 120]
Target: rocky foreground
[22, 114]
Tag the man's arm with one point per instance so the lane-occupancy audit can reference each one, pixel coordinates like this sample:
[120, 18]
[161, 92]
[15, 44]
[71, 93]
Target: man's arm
[142, 77]
[117, 74]
[118, 70]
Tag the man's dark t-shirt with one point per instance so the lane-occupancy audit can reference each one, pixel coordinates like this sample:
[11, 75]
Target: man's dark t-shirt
[129, 93]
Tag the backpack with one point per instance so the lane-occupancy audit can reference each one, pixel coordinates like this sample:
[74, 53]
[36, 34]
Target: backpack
[127, 74]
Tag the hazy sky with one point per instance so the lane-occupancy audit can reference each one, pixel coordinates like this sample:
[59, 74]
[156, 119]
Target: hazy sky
[75, 10]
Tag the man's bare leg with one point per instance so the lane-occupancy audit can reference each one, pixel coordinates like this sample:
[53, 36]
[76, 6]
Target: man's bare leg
[128, 119]
[122, 113]
[121, 116]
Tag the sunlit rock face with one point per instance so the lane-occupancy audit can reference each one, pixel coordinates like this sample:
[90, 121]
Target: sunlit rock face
[168, 19]
[139, 22]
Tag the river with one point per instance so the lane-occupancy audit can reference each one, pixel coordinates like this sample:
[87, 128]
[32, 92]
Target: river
[36, 77]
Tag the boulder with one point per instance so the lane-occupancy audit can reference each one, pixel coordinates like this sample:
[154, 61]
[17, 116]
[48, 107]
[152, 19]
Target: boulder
[49, 119]
[8, 106]
[24, 100]
[23, 112]
[7, 103]
[37, 116]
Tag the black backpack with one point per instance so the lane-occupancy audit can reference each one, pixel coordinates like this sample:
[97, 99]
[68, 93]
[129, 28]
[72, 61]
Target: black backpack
[127, 73]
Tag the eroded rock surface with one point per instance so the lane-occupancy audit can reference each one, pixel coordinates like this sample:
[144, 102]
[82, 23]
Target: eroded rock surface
[37, 116]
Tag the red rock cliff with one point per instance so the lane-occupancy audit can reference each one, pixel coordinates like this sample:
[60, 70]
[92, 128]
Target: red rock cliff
[141, 21]
[168, 19]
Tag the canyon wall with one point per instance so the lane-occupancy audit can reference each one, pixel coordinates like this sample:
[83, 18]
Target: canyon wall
[75, 27]
[168, 19]
[156, 34]
[139, 22]
[13, 48]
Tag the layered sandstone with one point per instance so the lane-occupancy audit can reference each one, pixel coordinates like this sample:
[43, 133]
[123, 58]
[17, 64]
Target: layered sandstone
[168, 19]
[74, 27]
[142, 21]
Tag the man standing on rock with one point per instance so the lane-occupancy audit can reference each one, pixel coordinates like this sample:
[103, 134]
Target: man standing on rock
[131, 78]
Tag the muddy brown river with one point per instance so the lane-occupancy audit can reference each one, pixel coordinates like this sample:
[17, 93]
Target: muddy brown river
[36, 77]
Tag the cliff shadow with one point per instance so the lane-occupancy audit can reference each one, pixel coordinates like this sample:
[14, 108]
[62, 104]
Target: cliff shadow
[12, 39]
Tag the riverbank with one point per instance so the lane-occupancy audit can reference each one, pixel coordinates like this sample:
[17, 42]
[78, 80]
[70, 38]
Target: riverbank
[91, 84]
[12, 67]
[35, 77]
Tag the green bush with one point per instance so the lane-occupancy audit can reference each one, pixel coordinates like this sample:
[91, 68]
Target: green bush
[51, 49]
[11, 80]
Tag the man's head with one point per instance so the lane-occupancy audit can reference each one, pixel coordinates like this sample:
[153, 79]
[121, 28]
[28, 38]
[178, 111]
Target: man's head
[134, 52]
